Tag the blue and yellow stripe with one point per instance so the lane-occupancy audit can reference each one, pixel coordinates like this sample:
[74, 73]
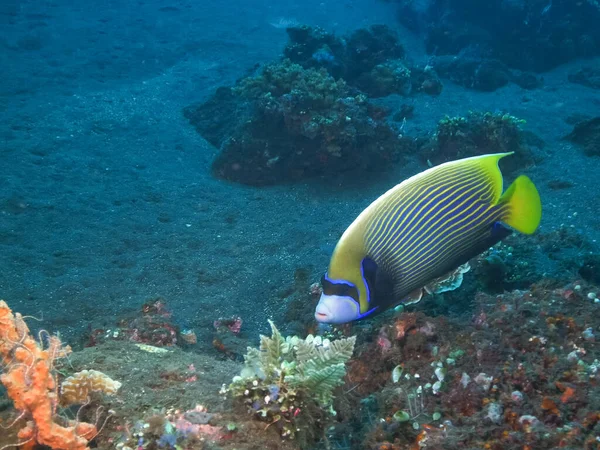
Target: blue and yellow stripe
[433, 222]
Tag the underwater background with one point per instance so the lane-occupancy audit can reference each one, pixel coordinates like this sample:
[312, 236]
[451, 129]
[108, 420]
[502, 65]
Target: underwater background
[178, 173]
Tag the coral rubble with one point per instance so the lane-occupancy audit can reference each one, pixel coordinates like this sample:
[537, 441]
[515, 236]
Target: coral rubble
[522, 373]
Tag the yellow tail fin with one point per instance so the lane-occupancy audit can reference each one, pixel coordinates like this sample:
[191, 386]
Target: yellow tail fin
[525, 212]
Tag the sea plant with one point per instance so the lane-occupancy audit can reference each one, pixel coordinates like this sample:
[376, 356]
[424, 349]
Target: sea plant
[290, 382]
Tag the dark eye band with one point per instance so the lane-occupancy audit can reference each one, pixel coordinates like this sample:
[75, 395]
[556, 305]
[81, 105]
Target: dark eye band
[340, 288]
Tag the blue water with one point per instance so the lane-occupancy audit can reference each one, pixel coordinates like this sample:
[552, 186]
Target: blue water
[107, 198]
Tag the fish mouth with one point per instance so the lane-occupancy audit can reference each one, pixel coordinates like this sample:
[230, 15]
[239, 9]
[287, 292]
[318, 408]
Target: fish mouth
[322, 313]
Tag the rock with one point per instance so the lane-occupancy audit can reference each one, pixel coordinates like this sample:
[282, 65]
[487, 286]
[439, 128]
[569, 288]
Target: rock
[474, 73]
[588, 76]
[294, 123]
[494, 413]
[590, 269]
[587, 135]
[218, 117]
[532, 35]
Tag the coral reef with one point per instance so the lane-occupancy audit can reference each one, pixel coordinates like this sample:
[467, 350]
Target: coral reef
[368, 47]
[304, 124]
[370, 59]
[521, 373]
[209, 117]
[159, 398]
[189, 427]
[390, 77]
[476, 134]
[309, 115]
[350, 57]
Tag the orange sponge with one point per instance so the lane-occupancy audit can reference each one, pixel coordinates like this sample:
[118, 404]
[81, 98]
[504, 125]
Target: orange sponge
[30, 383]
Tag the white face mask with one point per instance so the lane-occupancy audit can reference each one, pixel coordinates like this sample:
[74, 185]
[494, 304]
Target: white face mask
[336, 309]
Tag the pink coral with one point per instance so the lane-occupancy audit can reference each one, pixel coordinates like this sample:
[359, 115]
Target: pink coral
[383, 341]
[200, 431]
[194, 423]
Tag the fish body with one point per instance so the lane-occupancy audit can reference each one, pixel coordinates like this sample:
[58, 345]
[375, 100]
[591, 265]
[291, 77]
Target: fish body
[420, 232]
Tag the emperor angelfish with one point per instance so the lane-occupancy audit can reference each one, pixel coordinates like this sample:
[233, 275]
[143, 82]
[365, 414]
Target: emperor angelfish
[423, 230]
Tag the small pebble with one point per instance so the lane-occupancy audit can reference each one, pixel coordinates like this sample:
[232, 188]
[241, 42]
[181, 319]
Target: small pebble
[484, 381]
[532, 420]
[465, 379]
[517, 396]
[588, 334]
[494, 413]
